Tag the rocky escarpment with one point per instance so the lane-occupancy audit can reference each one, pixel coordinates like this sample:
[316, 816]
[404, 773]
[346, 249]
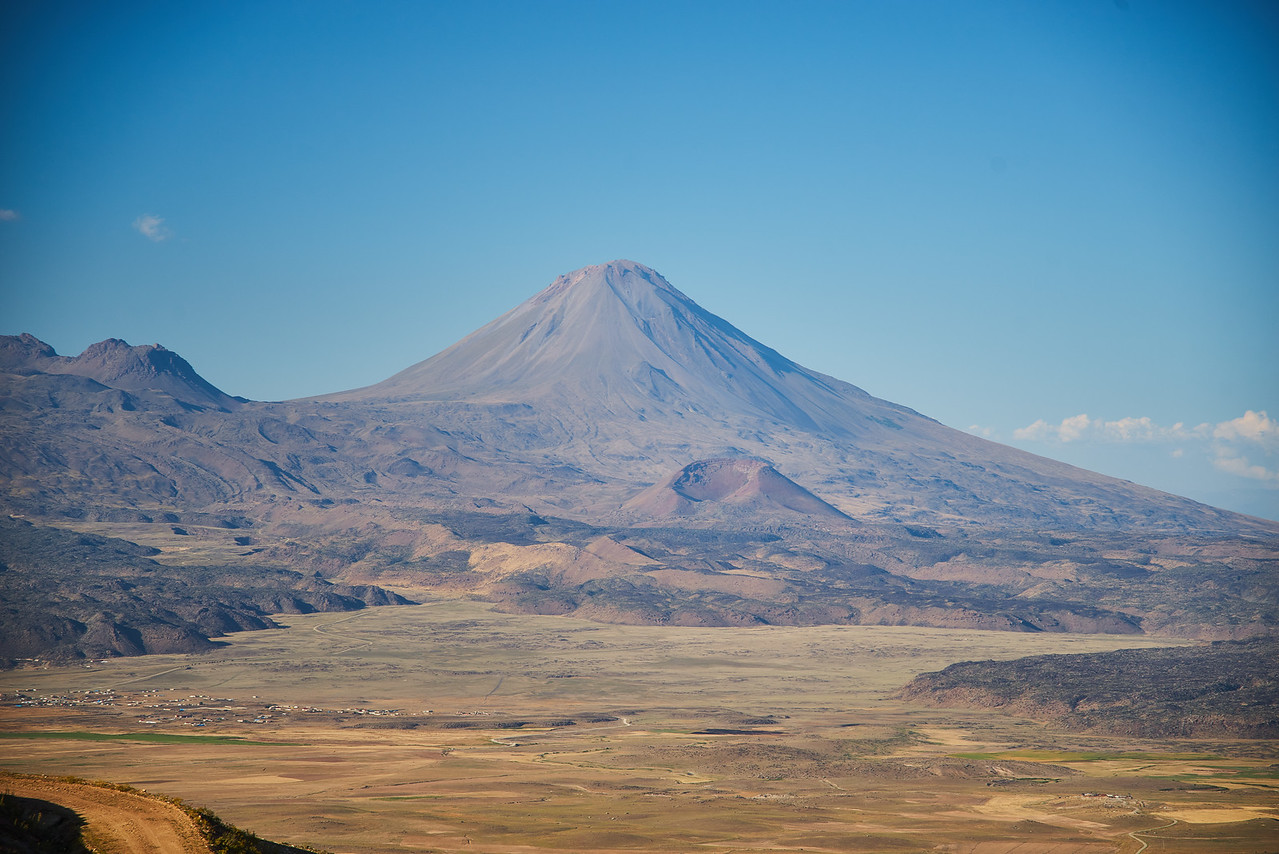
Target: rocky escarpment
[68, 595]
[1229, 689]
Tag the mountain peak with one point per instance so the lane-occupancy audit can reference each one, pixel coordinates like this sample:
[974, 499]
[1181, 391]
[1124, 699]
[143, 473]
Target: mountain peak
[610, 271]
[24, 353]
[116, 364]
[629, 281]
[617, 338]
[114, 361]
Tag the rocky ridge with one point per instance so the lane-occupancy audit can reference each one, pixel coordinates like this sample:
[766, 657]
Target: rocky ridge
[1223, 690]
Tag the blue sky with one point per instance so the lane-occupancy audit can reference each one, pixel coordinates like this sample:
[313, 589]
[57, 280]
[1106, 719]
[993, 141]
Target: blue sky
[1005, 215]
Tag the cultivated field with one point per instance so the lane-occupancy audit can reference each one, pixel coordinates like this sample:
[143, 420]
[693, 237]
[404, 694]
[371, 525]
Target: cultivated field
[450, 727]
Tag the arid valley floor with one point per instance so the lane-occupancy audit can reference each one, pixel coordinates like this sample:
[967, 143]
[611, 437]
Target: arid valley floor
[449, 726]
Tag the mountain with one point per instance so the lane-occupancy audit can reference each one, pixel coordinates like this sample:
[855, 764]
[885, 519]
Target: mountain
[728, 484]
[150, 371]
[612, 372]
[710, 487]
[618, 340]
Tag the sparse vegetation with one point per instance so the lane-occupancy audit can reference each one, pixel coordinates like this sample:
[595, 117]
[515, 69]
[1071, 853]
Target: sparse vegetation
[152, 737]
[224, 838]
[766, 736]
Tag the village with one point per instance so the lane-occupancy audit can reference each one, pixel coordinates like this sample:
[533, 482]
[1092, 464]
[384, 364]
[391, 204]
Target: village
[155, 707]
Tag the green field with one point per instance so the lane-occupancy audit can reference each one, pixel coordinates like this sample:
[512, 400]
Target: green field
[1092, 756]
[152, 737]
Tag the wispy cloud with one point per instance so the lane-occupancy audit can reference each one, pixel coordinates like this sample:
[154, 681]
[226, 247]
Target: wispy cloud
[1231, 462]
[1253, 431]
[152, 227]
[1069, 430]
[1082, 428]
[1233, 445]
[7, 215]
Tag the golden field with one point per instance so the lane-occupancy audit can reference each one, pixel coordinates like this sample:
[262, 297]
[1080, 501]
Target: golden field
[449, 726]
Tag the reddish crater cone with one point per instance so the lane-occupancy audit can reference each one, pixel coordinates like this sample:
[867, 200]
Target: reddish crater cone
[746, 484]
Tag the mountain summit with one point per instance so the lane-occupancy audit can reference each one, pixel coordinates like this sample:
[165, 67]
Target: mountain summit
[115, 364]
[619, 338]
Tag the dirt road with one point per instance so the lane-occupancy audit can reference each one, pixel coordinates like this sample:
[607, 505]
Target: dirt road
[116, 822]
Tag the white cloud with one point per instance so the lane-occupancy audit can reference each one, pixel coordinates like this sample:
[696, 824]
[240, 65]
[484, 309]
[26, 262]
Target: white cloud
[1079, 428]
[1228, 461]
[1069, 430]
[1074, 427]
[978, 430]
[1037, 432]
[1130, 429]
[1224, 443]
[152, 227]
[7, 215]
[1251, 426]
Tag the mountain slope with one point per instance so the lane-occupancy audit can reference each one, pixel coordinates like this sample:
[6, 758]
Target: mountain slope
[735, 486]
[594, 389]
[619, 338]
[612, 372]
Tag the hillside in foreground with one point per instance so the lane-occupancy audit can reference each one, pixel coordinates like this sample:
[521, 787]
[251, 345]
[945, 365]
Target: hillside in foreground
[67, 815]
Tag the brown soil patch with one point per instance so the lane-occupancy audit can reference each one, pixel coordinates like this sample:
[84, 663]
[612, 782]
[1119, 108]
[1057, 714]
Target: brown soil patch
[116, 822]
[1217, 816]
[339, 703]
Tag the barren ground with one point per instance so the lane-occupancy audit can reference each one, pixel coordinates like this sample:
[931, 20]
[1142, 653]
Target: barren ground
[450, 727]
[116, 822]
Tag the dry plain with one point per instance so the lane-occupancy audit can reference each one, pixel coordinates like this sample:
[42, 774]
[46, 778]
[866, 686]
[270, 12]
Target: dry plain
[449, 726]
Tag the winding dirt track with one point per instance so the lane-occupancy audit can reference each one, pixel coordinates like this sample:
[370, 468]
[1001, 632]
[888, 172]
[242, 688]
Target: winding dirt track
[116, 822]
